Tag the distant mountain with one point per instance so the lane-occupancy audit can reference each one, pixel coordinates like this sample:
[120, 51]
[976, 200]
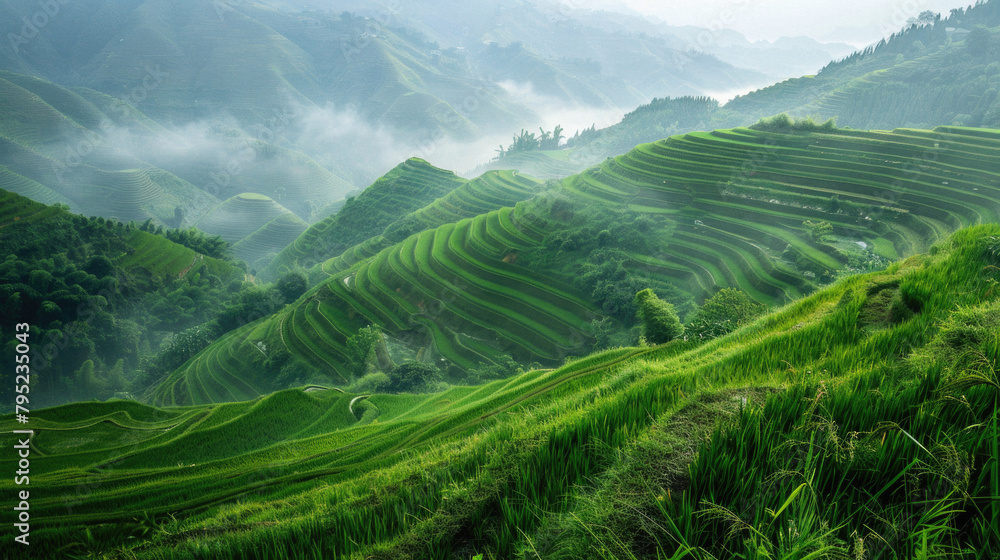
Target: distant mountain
[102, 157]
[257, 226]
[180, 105]
[926, 75]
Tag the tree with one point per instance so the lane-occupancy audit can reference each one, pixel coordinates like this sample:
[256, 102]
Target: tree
[660, 323]
[367, 351]
[100, 266]
[116, 377]
[292, 285]
[87, 380]
[979, 42]
[724, 312]
[503, 366]
[412, 375]
[818, 231]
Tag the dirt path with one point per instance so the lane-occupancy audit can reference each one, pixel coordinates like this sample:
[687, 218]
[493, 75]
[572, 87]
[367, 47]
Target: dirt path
[194, 262]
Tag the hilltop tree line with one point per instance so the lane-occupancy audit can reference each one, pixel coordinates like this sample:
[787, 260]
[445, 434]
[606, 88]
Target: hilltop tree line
[528, 141]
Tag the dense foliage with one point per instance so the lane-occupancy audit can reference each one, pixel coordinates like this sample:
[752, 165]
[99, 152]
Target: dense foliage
[114, 307]
[660, 323]
[727, 310]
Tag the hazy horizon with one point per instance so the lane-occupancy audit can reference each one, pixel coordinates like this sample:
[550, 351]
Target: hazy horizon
[856, 22]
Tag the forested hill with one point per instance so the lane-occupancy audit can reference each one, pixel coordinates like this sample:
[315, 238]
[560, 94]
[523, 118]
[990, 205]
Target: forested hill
[106, 301]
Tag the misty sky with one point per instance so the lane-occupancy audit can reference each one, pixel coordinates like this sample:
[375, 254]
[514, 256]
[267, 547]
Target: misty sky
[858, 22]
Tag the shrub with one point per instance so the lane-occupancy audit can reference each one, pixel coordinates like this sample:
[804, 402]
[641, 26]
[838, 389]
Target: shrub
[292, 285]
[502, 368]
[377, 382]
[659, 320]
[413, 376]
[724, 312]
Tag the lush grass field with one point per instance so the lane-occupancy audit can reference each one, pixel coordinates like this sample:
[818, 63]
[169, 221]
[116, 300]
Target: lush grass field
[860, 421]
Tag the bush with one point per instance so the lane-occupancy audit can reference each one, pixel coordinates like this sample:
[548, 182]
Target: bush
[723, 313]
[502, 368]
[413, 376]
[292, 285]
[660, 323]
[377, 382]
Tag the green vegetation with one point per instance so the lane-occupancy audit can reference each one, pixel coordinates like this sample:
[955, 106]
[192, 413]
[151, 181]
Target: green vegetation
[818, 429]
[936, 71]
[113, 307]
[660, 323]
[723, 313]
[528, 142]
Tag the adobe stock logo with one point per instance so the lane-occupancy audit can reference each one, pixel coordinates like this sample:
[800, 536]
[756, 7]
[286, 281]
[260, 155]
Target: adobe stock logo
[48, 10]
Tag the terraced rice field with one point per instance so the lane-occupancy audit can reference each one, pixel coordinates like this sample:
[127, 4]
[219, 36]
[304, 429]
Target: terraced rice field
[165, 259]
[543, 164]
[733, 203]
[261, 246]
[739, 197]
[448, 287]
[490, 191]
[240, 216]
[258, 227]
[16, 183]
[408, 187]
[15, 208]
[843, 413]
[141, 451]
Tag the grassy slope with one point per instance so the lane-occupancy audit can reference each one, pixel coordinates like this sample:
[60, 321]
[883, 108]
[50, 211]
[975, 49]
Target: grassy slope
[497, 468]
[727, 206]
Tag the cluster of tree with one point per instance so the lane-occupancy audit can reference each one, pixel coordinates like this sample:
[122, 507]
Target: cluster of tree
[240, 306]
[375, 371]
[193, 238]
[528, 141]
[95, 320]
[724, 312]
[784, 123]
[594, 254]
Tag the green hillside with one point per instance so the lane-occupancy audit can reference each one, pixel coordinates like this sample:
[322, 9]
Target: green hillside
[61, 145]
[411, 185]
[257, 226]
[490, 191]
[771, 213]
[861, 420]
